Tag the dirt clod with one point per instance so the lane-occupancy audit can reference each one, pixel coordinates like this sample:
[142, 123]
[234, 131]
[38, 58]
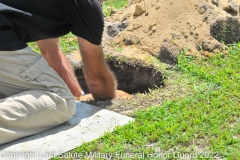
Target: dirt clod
[139, 10]
[226, 30]
[169, 52]
[210, 44]
[113, 28]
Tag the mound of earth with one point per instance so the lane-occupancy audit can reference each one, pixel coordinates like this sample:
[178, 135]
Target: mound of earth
[164, 28]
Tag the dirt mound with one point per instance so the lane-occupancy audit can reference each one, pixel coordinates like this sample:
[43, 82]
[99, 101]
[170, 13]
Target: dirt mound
[164, 28]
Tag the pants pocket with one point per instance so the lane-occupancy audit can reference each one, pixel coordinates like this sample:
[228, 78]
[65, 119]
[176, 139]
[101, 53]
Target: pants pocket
[48, 78]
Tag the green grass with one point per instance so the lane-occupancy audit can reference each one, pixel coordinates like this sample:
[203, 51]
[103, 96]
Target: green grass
[117, 4]
[114, 3]
[68, 43]
[205, 122]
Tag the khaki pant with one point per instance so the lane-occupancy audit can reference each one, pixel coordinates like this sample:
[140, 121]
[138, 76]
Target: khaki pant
[33, 97]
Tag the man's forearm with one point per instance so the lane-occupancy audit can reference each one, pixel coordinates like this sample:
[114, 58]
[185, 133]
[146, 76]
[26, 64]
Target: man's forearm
[51, 51]
[101, 81]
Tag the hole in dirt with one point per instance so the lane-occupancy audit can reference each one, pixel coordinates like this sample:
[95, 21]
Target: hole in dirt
[132, 76]
[226, 30]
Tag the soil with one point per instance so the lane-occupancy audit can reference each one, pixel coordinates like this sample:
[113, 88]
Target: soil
[160, 29]
[165, 28]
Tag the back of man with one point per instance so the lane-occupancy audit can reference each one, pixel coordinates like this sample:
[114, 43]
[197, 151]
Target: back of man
[24, 21]
[37, 92]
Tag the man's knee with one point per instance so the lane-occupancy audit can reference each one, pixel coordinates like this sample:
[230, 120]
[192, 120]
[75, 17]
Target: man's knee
[40, 110]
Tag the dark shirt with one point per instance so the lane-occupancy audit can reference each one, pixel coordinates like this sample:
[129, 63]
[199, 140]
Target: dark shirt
[23, 21]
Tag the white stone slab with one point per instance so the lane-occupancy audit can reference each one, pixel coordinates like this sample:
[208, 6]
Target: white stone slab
[88, 123]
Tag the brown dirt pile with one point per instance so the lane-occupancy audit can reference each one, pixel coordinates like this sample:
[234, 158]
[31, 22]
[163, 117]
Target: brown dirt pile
[164, 27]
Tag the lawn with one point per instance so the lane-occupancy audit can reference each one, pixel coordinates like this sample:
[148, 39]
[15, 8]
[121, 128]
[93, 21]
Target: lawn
[203, 125]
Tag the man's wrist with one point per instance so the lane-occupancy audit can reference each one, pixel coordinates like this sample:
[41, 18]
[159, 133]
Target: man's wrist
[79, 97]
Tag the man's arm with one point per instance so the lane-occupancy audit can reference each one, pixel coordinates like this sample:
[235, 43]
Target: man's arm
[100, 80]
[51, 51]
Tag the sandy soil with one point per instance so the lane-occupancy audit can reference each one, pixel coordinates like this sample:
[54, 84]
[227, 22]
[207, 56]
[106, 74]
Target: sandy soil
[164, 27]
